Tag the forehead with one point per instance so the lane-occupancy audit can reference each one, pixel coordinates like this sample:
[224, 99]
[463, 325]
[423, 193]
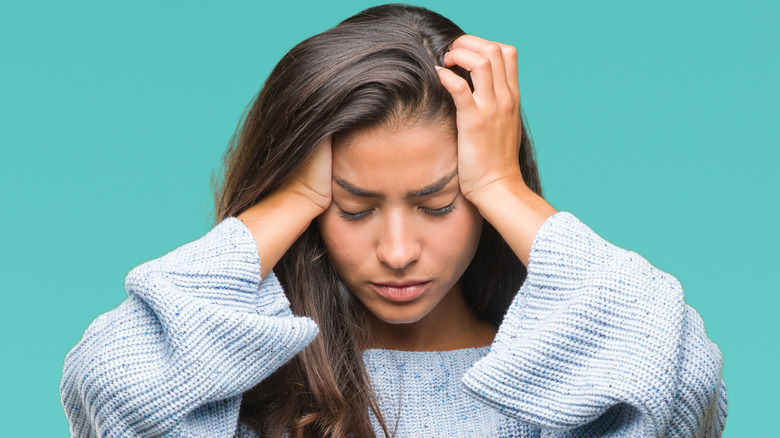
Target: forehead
[396, 160]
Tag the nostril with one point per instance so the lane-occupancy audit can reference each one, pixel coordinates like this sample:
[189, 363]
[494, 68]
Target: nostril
[398, 256]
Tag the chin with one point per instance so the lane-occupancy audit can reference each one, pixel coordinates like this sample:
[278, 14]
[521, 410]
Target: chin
[400, 316]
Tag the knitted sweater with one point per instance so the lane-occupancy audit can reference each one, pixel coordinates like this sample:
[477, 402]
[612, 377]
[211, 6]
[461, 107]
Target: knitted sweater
[597, 342]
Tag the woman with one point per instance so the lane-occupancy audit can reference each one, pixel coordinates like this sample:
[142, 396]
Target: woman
[383, 189]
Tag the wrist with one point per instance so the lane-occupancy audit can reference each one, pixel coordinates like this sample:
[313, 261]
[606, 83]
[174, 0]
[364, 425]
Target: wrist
[497, 190]
[289, 203]
[306, 198]
[516, 212]
[276, 222]
[308, 203]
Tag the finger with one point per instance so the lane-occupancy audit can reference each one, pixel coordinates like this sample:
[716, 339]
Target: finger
[458, 88]
[494, 51]
[510, 63]
[479, 66]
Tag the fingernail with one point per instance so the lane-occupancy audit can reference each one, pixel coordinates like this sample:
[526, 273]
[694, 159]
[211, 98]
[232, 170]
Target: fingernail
[437, 67]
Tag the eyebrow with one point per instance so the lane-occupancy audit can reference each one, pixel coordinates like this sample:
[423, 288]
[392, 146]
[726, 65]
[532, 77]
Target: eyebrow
[429, 190]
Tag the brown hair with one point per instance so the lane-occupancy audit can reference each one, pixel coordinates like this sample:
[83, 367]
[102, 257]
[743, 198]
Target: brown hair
[375, 67]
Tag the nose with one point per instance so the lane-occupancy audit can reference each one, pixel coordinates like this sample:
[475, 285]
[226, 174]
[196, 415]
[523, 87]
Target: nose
[398, 246]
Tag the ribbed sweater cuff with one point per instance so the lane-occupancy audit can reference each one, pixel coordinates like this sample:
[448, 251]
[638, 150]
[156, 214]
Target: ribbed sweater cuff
[592, 326]
[223, 268]
[198, 330]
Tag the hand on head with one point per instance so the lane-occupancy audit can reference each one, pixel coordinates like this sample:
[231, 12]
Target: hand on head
[488, 120]
[313, 180]
[488, 123]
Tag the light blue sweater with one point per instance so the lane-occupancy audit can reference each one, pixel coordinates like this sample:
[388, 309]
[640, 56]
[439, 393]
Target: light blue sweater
[597, 342]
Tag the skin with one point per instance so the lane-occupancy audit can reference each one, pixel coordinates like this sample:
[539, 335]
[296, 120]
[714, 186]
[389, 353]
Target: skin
[488, 177]
[391, 236]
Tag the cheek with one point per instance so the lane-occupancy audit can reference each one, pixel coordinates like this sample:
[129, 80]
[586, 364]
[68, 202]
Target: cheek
[456, 242]
[341, 241]
[471, 229]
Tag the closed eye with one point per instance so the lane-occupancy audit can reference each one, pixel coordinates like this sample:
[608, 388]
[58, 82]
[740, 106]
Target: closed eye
[439, 211]
[432, 211]
[354, 216]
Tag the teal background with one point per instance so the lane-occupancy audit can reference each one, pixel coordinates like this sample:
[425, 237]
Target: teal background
[654, 123]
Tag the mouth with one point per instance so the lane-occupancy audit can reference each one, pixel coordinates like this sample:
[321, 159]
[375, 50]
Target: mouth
[401, 291]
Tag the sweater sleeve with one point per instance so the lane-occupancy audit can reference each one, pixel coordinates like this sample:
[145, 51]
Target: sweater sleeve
[197, 330]
[598, 342]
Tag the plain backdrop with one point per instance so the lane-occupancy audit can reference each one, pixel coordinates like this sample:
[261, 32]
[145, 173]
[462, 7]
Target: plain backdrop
[655, 123]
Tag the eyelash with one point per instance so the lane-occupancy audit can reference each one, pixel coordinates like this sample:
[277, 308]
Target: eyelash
[439, 211]
[354, 216]
[432, 211]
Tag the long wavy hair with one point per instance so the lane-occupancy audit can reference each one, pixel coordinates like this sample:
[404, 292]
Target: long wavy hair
[374, 68]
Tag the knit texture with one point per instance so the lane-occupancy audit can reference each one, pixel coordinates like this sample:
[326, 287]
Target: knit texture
[197, 330]
[421, 395]
[597, 342]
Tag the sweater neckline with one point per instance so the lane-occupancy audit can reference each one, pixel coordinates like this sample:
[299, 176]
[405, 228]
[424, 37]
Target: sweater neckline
[457, 352]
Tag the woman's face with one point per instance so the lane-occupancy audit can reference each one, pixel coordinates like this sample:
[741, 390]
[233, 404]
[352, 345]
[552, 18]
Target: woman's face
[399, 232]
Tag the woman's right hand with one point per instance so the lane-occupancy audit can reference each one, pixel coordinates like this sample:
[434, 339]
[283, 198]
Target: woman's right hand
[279, 219]
[313, 179]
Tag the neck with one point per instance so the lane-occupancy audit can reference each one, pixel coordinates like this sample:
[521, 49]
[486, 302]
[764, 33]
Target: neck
[452, 325]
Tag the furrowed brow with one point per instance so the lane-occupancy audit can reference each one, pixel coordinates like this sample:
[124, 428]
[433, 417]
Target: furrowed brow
[357, 191]
[433, 188]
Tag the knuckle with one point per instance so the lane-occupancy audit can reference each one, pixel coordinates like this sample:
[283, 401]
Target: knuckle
[482, 64]
[507, 103]
[509, 50]
[494, 49]
[461, 87]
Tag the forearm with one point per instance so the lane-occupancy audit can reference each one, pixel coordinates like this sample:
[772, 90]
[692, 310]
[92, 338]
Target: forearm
[516, 213]
[599, 342]
[197, 329]
[276, 222]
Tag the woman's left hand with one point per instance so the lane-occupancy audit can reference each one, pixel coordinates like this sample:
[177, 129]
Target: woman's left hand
[488, 120]
[489, 124]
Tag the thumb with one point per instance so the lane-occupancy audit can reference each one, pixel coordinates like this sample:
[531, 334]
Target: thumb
[458, 88]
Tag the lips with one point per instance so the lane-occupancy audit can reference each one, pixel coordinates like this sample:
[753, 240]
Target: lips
[401, 291]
